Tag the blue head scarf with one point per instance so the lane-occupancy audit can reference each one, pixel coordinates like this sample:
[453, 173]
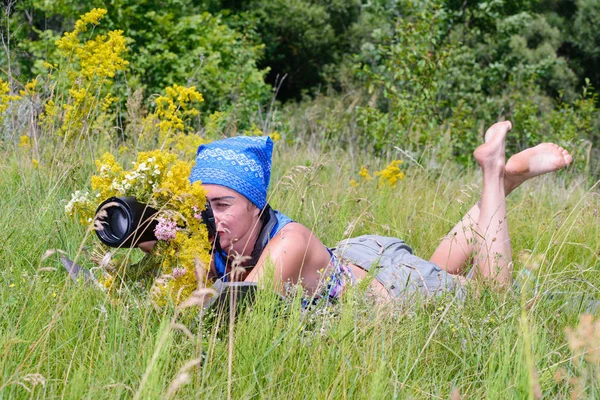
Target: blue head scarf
[241, 163]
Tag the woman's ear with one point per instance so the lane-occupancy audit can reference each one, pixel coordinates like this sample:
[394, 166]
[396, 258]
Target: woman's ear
[253, 209]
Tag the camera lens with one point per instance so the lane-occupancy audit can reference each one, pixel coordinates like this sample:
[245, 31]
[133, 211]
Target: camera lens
[124, 222]
[118, 222]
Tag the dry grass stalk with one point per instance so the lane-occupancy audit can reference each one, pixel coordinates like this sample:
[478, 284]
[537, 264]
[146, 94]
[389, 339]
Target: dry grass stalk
[182, 377]
[198, 298]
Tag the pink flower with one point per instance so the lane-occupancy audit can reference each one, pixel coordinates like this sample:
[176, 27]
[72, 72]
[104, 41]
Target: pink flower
[166, 229]
[197, 212]
[178, 272]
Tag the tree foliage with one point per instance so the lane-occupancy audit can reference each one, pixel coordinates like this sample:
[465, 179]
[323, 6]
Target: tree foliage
[412, 69]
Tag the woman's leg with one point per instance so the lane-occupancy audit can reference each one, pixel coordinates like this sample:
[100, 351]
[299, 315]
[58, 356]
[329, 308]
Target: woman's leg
[455, 252]
[493, 255]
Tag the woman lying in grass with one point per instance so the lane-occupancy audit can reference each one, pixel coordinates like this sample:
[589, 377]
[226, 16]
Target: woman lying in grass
[235, 173]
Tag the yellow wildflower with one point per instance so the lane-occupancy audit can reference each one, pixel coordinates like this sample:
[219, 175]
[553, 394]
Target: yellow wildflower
[176, 181]
[172, 108]
[92, 62]
[101, 57]
[69, 41]
[75, 110]
[107, 281]
[29, 87]
[107, 101]
[78, 94]
[108, 171]
[48, 65]
[4, 88]
[391, 174]
[80, 205]
[5, 97]
[364, 173]
[187, 144]
[50, 111]
[24, 142]
[353, 183]
[35, 163]
[92, 17]
[254, 131]
[188, 248]
[275, 136]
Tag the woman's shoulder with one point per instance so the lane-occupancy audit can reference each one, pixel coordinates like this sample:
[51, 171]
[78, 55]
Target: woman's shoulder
[298, 238]
[295, 231]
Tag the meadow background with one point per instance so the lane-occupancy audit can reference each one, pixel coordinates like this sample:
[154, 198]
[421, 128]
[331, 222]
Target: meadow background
[344, 88]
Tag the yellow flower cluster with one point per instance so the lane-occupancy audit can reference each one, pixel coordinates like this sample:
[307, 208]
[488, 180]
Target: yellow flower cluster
[50, 112]
[4, 88]
[172, 108]
[364, 173]
[159, 179]
[24, 142]
[187, 250]
[70, 41]
[81, 206]
[108, 171]
[29, 88]
[176, 180]
[99, 57]
[275, 136]
[187, 145]
[92, 64]
[5, 98]
[172, 111]
[91, 18]
[256, 131]
[391, 174]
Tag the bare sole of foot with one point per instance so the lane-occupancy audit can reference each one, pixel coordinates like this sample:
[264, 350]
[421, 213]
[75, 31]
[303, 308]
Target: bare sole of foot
[491, 132]
[535, 161]
[491, 153]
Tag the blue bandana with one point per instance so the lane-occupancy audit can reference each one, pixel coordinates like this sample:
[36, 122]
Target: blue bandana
[241, 163]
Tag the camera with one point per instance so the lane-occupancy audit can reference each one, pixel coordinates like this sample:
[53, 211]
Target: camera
[125, 222]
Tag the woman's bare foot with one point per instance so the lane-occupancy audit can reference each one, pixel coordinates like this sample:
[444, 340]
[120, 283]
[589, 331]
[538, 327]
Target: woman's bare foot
[535, 161]
[491, 154]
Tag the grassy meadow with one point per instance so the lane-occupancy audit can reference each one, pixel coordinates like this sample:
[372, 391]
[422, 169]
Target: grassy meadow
[60, 339]
[364, 77]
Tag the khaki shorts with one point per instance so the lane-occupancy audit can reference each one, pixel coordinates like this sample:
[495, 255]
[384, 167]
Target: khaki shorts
[398, 269]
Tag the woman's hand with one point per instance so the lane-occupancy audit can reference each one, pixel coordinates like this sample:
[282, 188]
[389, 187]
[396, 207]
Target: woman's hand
[147, 247]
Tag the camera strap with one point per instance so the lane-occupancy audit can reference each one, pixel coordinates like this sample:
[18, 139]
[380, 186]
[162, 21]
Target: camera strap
[270, 222]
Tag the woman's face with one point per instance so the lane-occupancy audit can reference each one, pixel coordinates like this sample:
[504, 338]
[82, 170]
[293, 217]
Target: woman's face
[236, 218]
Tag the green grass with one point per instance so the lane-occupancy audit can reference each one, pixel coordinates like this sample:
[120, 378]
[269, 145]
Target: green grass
[84, 344]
